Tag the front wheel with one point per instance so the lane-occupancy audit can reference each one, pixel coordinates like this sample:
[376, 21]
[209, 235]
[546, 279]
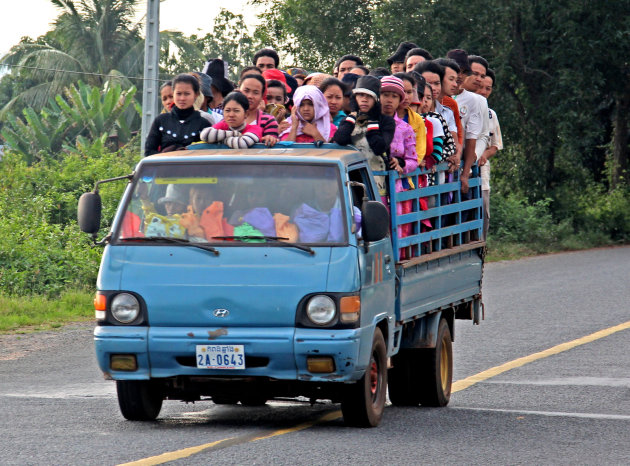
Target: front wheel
[139, 400]
[364, 401]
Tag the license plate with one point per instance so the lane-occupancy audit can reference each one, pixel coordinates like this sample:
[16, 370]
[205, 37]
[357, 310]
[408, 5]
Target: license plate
[221, 356]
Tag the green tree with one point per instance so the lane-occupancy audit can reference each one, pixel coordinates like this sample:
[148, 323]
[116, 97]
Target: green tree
[317, 32]
[229, 40]
[90, 39]
[563, 89]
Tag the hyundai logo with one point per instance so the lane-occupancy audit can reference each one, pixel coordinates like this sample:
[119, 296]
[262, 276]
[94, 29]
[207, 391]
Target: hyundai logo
[220, 312]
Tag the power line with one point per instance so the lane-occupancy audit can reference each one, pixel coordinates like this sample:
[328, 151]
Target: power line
[82, 72]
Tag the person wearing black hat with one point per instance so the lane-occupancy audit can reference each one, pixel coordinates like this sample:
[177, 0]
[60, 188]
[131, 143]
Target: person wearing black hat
[397, 61]
[368, 129]
[217, 69]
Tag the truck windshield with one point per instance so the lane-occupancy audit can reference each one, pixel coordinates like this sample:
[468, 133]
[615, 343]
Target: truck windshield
[236, 203]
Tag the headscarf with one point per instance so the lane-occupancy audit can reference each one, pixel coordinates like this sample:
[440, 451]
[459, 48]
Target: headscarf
[320, 104]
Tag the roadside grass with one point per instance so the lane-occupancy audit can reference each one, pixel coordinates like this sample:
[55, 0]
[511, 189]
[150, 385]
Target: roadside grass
[501, 250]
[27, 314]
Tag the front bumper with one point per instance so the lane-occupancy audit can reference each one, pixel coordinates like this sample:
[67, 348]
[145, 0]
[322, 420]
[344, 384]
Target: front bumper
[276, 353]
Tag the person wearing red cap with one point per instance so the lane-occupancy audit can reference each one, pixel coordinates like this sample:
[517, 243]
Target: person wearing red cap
[277, 92]
[278, 76]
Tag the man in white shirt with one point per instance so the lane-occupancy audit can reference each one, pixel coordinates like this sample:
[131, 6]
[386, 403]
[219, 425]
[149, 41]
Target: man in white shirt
[495, 145]
[473, 111]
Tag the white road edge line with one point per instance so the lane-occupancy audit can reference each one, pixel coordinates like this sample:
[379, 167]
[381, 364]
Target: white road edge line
[616, 417]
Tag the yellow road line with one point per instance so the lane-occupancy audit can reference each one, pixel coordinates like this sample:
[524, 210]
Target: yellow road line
[186, 452]
[306, 425]
[175, 455]
[457, 386]
[494, 371]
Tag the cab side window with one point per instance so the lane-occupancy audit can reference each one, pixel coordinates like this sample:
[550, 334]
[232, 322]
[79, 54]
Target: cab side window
[360, 175]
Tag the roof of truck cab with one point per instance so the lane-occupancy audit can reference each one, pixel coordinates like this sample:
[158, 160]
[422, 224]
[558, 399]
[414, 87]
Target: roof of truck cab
[279, 153]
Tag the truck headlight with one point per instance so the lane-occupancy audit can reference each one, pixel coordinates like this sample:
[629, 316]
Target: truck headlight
[125, 308]
[321, 309]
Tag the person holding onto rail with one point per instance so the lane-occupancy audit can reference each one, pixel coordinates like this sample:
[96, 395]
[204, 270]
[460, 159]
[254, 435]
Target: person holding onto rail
[232, 130]
[368, 129]
[254, 86]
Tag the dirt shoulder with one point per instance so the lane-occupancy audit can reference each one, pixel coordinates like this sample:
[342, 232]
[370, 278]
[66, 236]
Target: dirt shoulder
[15, 346]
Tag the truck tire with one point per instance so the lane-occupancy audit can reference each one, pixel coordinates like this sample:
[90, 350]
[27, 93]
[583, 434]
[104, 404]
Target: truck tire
[364, 401]
[436, 369]
[139, 400]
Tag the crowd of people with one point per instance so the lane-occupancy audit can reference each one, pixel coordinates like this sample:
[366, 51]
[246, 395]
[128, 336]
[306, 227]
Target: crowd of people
[417, 112]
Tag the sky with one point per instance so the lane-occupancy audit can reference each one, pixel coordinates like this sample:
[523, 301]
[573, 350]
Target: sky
[35, 17]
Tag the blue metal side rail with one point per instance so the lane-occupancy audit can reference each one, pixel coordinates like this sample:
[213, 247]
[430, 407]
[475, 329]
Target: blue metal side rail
[456, 219]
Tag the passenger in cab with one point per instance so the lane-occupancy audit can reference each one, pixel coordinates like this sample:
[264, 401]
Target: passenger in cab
[368, 129]
[310, 117]
[232, 130]
[334, 90]
[254, 86]
[182, 125]
[204, 219]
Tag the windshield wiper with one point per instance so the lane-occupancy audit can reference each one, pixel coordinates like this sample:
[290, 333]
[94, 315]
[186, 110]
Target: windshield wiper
[272, 239]
[170, 239]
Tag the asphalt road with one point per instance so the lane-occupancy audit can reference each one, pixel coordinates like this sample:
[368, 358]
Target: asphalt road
[572, 407]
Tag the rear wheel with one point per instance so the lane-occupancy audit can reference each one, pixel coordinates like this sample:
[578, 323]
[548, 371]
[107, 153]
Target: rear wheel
[436, 369]
[139, 400]
[364, 401]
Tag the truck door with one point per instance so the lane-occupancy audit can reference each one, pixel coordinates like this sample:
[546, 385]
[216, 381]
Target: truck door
[376, 265]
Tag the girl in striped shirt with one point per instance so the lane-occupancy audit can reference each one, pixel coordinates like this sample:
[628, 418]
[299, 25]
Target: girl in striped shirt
[233, 130]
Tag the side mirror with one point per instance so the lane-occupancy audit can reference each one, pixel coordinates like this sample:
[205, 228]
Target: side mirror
[89, 213]
[374, 221]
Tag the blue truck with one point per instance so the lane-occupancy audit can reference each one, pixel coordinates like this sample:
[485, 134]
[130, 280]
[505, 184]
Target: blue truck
[248, 275]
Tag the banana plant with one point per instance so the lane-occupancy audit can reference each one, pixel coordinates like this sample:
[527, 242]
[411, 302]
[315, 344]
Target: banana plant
[87, 115]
